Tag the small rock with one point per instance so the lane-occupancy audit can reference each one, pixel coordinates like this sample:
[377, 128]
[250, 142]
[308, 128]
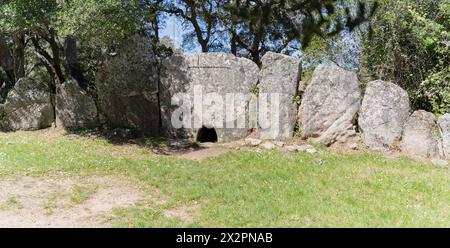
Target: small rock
[304, 148]
[181, 144]
[353, 146]
[311, 150]
[253, 142]
[279, 143]
[268, 146]
[72, 136]
[241, 143]
[291, 148]
[440, 162]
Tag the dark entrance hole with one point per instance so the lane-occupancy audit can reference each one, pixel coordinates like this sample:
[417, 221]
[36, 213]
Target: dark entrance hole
[207, 135]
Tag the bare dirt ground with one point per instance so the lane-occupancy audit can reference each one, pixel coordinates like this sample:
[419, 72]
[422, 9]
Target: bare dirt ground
[191, 151]
[204, 153]
[62, 202]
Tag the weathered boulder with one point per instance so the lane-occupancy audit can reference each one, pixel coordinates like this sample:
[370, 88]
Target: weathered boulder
[444, 124]
[128, 88]
[28, 107]
[75, 109]
[384, 111]
[280, 74]
[330, 104]
[196, 93]
[421, 135]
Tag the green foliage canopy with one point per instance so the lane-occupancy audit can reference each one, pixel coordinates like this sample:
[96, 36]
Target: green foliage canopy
[410, 45]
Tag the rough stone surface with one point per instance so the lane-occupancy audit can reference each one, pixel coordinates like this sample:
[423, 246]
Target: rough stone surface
[384, 111]
[217, 73]
[75, 109]
[28, 107]
[269, 146]
[420, 135]
[279, 74]
[444, 124]
[128, 88]
[301, 148]
[353, 146]
[440, 162]
[330, 104]
[253, 142]
[311, 150]
[279, 143]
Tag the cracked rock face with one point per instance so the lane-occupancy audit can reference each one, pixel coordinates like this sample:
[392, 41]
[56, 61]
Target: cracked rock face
[330, 104]
[216, 75]
[128, 88]
[444, 124]
[279, 74]
[384, 112]
[75, 109]
[28, 107]
[421, 135]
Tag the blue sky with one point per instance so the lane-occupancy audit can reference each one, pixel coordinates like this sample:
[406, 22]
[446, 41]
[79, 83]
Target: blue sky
[173, 29]
[348, 59]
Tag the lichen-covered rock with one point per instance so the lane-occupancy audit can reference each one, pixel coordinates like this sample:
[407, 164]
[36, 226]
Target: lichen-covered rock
[28, 107]
[421, 135]
[279, 74]
[384, 111]
[330, 104]
[128, 88]
[207, 80]
[75, 109]
[444, 124]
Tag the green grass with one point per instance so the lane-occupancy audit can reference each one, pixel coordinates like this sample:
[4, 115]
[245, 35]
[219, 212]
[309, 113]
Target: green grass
[249, 189]
[12, 203]
[81, 193]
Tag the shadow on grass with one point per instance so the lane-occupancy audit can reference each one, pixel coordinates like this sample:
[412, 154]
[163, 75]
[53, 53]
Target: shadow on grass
[123, 137]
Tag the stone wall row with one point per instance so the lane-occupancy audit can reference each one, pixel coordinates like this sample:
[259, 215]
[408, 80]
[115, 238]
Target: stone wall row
[137, 91]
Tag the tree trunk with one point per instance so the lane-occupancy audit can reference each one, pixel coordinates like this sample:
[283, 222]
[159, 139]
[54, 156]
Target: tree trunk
[204, 45]
[7, 63]
[155, 40]
[233, 44]
[56, 63]
[256, 57]
[6, 60]
[19, 55]
[73, 66]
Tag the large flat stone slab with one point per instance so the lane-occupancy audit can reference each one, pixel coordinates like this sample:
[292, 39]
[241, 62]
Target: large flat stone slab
[330, 104]
[384, 112]
[421, 135]
[128, 88]
[28, 107]
[280, 75]
[203, 83]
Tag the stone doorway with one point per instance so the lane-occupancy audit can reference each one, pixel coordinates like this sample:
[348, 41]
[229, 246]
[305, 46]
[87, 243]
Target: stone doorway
[207, 135]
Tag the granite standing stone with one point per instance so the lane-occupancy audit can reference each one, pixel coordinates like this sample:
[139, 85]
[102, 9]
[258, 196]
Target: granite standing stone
[330, 104]
[384, 111]
[128, 88]
[280, 74]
